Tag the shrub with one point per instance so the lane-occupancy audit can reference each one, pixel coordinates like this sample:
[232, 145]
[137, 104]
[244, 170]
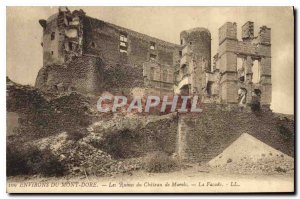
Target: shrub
[16, 163]
[255, 105]
[31, 160]
[159, 162]
[122, 144]
[285, 132]
[280, 170]
[77, 134]
[45, 163]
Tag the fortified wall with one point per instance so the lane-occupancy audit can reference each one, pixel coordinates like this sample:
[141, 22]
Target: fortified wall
[91, 56]
[201, 138]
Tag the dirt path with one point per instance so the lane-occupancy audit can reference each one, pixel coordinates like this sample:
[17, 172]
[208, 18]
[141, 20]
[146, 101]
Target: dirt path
[194, 179]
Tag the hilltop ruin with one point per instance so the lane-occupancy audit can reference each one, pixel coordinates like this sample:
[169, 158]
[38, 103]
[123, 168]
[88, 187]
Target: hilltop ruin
[89, 55]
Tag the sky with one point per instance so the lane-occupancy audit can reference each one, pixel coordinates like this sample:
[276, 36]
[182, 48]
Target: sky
[24, 33]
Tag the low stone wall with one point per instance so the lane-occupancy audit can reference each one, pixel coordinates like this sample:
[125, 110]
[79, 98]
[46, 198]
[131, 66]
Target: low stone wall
[203, 137]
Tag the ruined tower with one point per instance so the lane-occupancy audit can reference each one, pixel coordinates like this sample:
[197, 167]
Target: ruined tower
[244, 66]
[62, 36]
[195, 61]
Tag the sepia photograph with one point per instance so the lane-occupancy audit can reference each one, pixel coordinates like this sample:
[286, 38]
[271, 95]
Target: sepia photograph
[150, 99]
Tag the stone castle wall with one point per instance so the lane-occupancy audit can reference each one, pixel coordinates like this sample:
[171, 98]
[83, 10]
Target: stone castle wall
[104, 40]
[84, 74]
[251, 49]
[130, 58]
[88, 74]
[205, 136]
[125, 54]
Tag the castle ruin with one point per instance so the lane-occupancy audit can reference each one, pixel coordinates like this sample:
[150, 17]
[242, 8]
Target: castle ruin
[88, 55]
[91, 56]
[78, 50]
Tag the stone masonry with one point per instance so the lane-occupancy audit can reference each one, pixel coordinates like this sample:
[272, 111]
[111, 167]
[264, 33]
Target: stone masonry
[238, 62]
[239, 72]
[91, 56]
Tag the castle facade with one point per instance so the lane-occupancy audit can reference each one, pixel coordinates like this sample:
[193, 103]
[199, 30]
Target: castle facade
[89, 55]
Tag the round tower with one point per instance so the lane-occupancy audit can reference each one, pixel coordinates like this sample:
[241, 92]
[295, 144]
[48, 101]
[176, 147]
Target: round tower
[197, 41]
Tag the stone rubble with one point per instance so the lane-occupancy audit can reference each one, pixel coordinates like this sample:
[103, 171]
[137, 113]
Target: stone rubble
[249, 155]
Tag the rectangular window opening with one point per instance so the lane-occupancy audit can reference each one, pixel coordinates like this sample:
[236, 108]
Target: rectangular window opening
[123, 51]
[152, 45]
[180, 53]
[256, 71]
[123, 37]
[123, 43]
[93, 45]
[151, 73]
[241, 69]
[152, 57]
[52, 35]
[70, 46]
